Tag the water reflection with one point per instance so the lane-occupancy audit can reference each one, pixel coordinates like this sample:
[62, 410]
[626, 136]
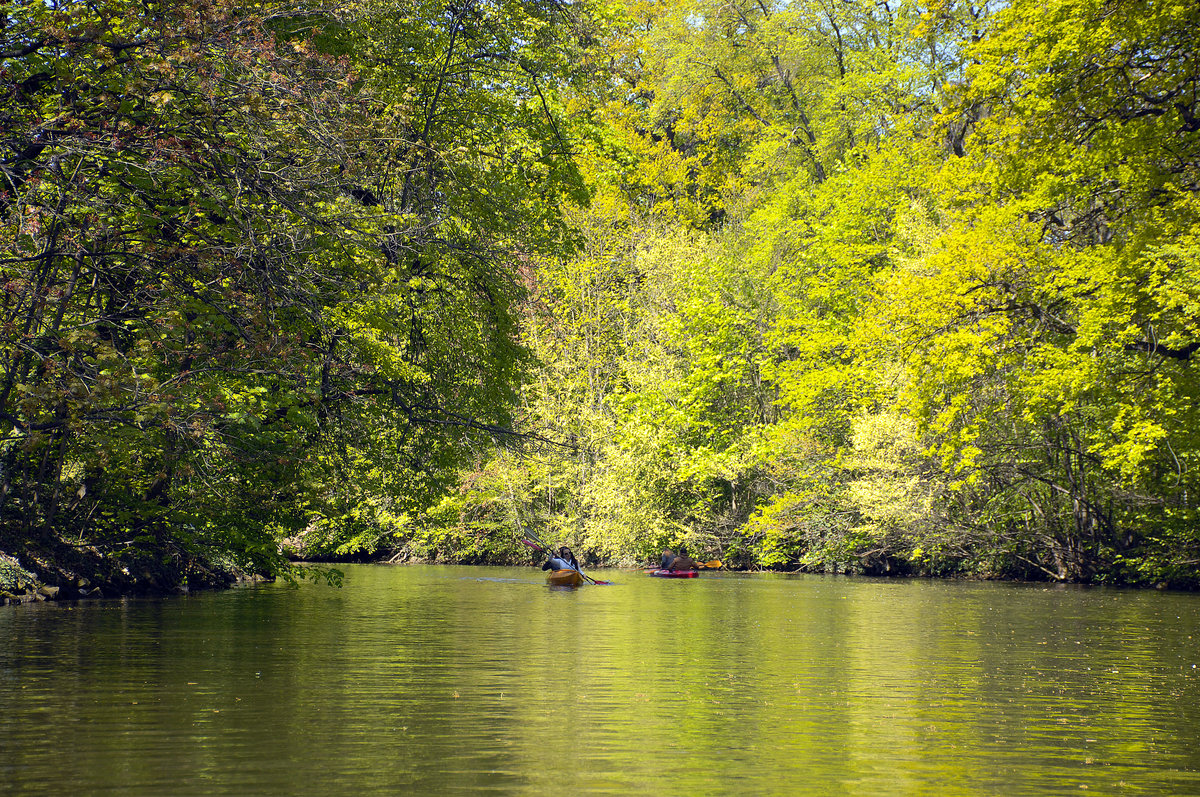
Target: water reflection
[441, 679]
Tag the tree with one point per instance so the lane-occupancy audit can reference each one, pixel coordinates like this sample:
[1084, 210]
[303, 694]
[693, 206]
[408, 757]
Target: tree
[1053, 324]
[238, 266]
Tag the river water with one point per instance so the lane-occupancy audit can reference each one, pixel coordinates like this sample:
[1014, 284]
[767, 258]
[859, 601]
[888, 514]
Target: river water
[429, 680]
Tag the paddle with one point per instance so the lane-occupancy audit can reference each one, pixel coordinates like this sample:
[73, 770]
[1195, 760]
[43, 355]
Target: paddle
[535, 542]
[576, 569]
[582, 574]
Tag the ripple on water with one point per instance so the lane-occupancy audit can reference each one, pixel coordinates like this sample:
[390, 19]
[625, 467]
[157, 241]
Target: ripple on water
[443, 679]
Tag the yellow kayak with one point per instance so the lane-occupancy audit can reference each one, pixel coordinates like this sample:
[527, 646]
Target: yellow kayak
[564, 578]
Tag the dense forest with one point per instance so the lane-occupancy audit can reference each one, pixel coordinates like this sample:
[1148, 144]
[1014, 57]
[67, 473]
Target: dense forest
[856, 287]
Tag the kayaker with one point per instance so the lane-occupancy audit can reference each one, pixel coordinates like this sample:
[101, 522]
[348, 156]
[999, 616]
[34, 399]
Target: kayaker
[555, 563]
[668, 557]
[682, 562]
[563, 560]
[565, 554]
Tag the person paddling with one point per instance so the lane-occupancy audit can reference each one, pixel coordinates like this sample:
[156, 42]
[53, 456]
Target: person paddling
[563, 560]
[673, 561]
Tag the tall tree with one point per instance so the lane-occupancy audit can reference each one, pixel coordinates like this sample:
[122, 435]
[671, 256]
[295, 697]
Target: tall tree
[1054, 325]
[234, 257]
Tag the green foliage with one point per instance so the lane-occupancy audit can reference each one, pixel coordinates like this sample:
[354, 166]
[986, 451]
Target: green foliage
[1052, 367]
[943, 318]
[853, 288]
[13, 577]
[260, 267]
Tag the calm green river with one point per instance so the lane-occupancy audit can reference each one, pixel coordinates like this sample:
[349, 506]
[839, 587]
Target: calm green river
[426, 680]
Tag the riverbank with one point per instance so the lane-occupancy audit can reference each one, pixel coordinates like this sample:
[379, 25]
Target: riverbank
[75, 573]
[67, 572]
[18, 585]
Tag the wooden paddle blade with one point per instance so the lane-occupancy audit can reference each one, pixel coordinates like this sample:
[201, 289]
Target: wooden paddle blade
[711, 564]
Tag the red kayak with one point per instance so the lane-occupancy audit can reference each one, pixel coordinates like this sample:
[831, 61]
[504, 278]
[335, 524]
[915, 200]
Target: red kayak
[673, 573]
